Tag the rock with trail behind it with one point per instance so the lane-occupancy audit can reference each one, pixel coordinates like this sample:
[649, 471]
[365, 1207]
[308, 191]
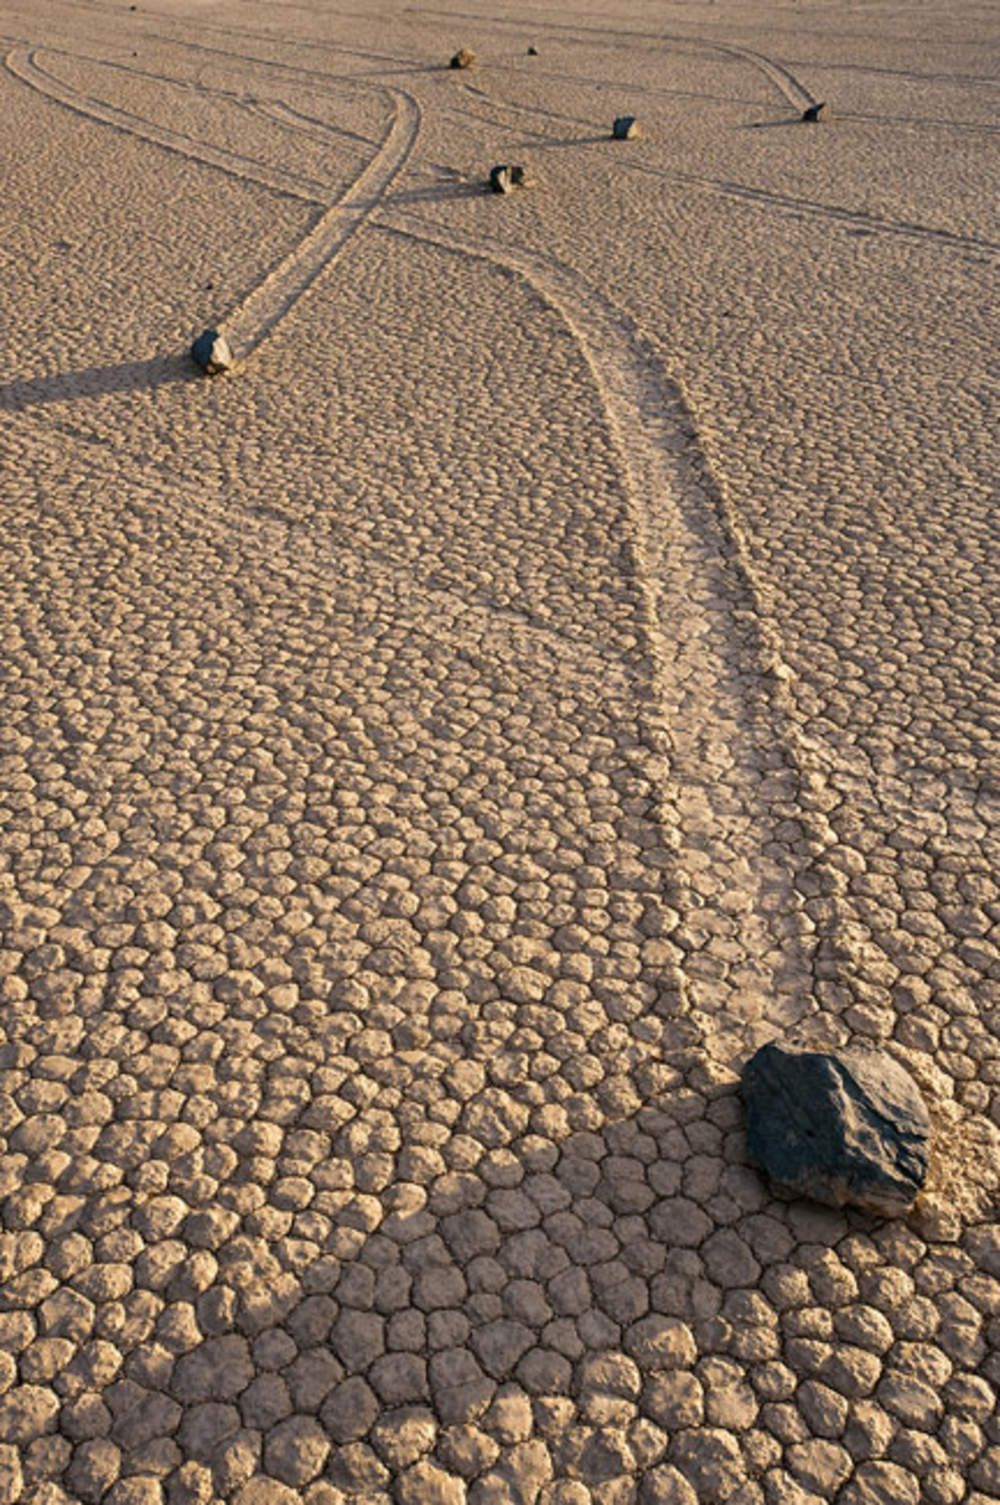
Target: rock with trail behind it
[811, 114]
[626, 128]
[211, 352]
[845, 1127]
[507, 176]
[463, 59]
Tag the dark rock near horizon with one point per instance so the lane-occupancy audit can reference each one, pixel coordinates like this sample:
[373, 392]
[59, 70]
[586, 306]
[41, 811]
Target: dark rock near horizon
[626, 128]
[211, 352]
[508, 176]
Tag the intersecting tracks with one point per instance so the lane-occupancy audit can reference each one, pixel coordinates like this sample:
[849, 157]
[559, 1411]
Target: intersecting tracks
[24, 63]
[270, 300]
[718, 664]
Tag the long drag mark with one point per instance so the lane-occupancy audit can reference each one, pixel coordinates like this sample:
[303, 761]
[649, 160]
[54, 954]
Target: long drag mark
[23, 63]
[249, 324]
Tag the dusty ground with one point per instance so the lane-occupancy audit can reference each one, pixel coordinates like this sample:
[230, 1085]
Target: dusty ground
[562, 658]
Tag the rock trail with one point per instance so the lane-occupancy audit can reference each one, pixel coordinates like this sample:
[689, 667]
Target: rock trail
[22, 62]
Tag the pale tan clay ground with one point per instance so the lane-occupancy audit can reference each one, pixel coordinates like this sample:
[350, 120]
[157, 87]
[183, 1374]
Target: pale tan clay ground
[562, 658]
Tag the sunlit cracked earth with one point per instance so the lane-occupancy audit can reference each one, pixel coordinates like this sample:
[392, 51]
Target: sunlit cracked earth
[561, 658]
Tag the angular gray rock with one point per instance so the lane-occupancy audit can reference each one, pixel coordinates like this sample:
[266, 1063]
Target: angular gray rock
[506, 177]
[211, 352]
[845, 1127]
[626, 128]
[463, 59]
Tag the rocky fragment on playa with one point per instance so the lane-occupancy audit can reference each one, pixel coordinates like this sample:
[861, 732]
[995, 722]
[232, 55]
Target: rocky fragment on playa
[845, 1127]
[505, 177]
[211, 352]
[463, 59]
[625, 128]
[810, 115]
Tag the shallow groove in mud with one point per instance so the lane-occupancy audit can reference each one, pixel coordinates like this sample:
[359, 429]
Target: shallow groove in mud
[259, 313]
[688, 544]
[22, 62]
[768, 198]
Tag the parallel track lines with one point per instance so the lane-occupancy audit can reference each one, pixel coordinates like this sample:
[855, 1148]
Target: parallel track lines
[22, 62]
[258, 314]
[248, 325]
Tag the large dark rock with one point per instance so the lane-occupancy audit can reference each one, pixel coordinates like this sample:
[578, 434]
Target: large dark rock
[845, 1127]
[211, 352]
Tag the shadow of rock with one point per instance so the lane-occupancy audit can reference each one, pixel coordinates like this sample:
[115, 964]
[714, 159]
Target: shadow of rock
[96, 381]
[769, 125]
[438, 193]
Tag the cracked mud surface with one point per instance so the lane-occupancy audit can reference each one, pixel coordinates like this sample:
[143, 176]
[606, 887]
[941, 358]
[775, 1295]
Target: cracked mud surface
[560, 659]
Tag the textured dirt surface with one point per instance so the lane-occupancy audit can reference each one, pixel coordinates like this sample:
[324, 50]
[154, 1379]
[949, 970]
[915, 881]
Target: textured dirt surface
[560, 658]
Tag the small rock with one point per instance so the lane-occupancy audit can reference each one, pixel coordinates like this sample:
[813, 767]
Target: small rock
[532, 51]
[356, 1470]
[467, 1450]
[190, 1485]
[211, 352]
[503, 179]
[399, 1378]
[95, 1467]
[611, 1373]
[820, 1466]
[261, 1490]
[358, 1338]
[401, 1438]
[841, 1127]
[659, 1342]
[675, 1399]
[460, 1389]
[463, 59]
[811, 114]
[509, 1419]
[626, 128]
